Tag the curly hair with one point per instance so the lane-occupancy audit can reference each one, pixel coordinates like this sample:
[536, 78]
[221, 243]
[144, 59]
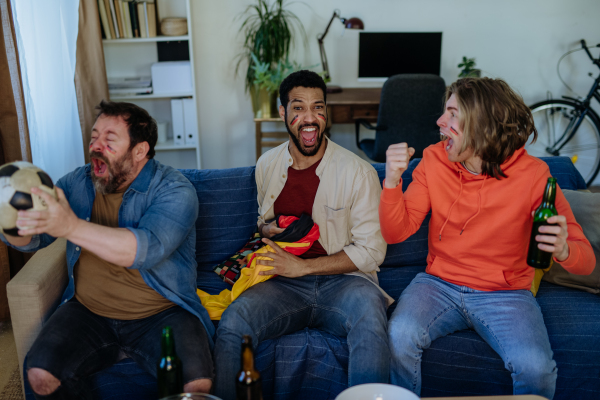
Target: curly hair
[140, 125]
[494, 120]
[303, 78]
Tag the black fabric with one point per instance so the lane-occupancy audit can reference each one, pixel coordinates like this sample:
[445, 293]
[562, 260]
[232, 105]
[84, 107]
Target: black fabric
[295, 231]
[409, 107]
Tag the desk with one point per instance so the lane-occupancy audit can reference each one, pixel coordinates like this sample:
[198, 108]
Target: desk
[342, 108]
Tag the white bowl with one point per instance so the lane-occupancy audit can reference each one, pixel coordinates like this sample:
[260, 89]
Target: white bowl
[376, 391]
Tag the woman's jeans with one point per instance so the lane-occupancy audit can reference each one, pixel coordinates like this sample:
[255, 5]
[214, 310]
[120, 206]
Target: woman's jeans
[510, 321]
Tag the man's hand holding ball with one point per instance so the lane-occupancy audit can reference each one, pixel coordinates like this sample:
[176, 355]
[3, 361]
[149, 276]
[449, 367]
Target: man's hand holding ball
[397, 157]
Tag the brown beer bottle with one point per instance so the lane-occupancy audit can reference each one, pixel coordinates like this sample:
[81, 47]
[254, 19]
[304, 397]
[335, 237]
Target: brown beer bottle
[169, 372]
[535, 257]
[248, 382]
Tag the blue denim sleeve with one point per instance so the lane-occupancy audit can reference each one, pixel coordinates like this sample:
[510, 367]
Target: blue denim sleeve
[166, 224]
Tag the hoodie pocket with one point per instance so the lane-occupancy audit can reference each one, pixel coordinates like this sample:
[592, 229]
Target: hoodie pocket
[337, 225]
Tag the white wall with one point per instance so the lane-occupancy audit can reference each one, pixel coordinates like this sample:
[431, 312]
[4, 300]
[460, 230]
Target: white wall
[519, 41]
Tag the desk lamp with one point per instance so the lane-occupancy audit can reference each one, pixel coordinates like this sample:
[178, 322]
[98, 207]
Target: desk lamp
[351, 23]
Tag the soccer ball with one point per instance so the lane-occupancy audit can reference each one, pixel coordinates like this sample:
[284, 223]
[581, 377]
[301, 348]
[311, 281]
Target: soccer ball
[16, 180]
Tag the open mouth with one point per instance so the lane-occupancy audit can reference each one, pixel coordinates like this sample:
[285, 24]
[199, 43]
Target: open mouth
[309, 135]
[448, 139]
[100, 167]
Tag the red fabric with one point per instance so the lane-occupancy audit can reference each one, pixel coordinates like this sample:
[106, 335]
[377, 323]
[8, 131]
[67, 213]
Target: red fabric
[311, 237]
[297, 198]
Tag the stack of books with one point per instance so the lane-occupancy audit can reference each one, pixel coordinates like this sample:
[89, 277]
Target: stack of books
[123, 19]
[129, 86]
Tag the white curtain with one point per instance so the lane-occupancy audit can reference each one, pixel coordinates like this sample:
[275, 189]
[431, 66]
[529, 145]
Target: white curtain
[46, 33]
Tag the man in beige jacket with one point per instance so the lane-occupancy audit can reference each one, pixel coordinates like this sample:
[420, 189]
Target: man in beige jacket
[332, 287]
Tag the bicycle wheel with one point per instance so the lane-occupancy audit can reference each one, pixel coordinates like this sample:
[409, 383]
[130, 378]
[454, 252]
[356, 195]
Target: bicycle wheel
[553, 119]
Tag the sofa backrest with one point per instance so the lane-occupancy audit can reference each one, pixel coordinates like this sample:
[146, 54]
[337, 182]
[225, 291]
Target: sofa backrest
[229, 210]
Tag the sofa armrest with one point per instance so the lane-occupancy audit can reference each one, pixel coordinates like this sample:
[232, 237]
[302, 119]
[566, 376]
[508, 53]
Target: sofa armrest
[34, 293]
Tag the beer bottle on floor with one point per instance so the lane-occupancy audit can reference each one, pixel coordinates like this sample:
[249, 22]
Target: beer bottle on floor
[169, 370]
[247, 382]
[535, 257]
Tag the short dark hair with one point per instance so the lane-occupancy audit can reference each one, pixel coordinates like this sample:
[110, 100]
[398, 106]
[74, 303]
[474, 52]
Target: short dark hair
[303, 78]
[140, 125]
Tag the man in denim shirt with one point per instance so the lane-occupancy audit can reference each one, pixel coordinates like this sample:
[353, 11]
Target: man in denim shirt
[129, 222]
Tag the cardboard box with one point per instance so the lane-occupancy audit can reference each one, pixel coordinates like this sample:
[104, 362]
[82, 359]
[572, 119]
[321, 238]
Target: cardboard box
[172, 77]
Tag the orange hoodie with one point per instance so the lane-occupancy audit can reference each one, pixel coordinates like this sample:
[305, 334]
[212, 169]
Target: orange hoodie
[480, 226]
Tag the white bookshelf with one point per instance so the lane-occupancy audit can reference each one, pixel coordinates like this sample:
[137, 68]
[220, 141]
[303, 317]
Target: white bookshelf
[134, 57]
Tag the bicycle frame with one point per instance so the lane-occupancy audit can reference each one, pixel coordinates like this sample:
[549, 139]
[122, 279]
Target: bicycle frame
[582, 106]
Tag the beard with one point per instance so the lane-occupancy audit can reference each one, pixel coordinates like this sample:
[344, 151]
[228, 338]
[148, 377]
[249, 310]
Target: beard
[117, 173]
[299, 145]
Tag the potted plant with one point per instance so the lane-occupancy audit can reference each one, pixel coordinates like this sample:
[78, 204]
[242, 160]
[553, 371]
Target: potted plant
[268, 30]
[468, 68]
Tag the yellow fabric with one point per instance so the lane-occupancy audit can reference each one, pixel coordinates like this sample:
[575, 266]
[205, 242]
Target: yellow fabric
[535, 285]
[215, 304]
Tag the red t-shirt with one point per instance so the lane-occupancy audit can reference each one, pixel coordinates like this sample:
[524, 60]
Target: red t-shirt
[297, 198]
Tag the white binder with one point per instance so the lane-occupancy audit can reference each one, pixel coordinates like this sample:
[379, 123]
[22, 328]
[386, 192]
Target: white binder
[190, 122]
[177, 122]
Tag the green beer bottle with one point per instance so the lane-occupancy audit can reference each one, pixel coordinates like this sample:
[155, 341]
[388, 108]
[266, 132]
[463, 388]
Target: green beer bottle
[248, 382]
[169, 370]
[535, 257]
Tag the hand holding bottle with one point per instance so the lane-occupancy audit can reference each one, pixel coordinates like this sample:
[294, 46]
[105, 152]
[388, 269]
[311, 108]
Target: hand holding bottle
[553, 238]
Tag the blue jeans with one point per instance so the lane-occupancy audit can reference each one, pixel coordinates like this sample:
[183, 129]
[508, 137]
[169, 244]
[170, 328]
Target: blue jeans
[509, 321]
[76, 343]
[342, 305]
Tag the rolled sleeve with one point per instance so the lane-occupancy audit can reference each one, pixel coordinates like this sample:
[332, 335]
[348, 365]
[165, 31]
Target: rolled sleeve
[367, 249]
[165, 225]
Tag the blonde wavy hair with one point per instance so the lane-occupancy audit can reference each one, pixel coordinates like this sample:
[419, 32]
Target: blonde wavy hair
[494, 120]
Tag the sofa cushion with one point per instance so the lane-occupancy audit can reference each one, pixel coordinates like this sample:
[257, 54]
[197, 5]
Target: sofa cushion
[227, 216]
[586, 208]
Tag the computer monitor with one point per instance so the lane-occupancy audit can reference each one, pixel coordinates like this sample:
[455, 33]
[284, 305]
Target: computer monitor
[383, 54]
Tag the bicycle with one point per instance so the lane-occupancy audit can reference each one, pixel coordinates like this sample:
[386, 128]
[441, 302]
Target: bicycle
[570, 127]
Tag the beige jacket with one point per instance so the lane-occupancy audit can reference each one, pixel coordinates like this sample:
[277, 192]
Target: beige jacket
[345, 207]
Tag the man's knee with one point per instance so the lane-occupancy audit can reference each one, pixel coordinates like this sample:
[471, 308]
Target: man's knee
[42, 382]
[404, 330]
[198, 386]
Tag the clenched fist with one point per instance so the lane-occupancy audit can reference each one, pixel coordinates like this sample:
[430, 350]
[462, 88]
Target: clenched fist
[397, 157]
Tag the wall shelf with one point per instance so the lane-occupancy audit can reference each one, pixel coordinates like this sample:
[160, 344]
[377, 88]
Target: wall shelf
[133, 57]
[150, 96]
[152, 39]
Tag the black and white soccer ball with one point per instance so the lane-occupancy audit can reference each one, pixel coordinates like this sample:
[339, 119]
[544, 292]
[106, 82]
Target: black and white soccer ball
[16, 180]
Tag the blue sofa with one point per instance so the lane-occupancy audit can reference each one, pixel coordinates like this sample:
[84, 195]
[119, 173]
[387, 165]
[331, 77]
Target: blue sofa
[311, 364]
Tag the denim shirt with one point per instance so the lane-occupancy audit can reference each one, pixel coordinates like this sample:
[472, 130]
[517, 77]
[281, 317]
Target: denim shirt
[160, 208]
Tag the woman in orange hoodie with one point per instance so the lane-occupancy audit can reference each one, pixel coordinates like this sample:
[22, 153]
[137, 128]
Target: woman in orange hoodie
[481, 187]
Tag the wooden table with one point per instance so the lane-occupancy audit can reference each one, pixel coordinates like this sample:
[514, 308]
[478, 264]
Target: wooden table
[343, 108]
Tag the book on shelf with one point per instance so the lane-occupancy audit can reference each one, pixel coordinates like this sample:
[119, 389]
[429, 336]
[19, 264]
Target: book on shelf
[113, 14]
[104, 19]
[111, 27]
[151, 19]
[126, 19]
[135, 27]
[118, 9]
[141, 12]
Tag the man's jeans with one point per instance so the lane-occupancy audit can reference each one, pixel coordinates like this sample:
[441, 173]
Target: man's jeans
[75, 343]
[342, 305]
[509, 321]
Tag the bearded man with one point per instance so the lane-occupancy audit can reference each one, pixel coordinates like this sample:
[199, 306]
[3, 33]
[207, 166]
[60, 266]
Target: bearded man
[129, 222]
[333, 286]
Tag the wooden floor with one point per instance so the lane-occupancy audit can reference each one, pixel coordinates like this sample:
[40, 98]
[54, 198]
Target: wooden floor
[8, 353]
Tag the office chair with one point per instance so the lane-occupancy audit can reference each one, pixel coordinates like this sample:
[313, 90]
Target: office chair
[409, 108]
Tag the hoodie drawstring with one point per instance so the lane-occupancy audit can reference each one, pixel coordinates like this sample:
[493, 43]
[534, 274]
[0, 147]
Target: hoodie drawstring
[456, 201]
[452, 206]
[478, 210]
